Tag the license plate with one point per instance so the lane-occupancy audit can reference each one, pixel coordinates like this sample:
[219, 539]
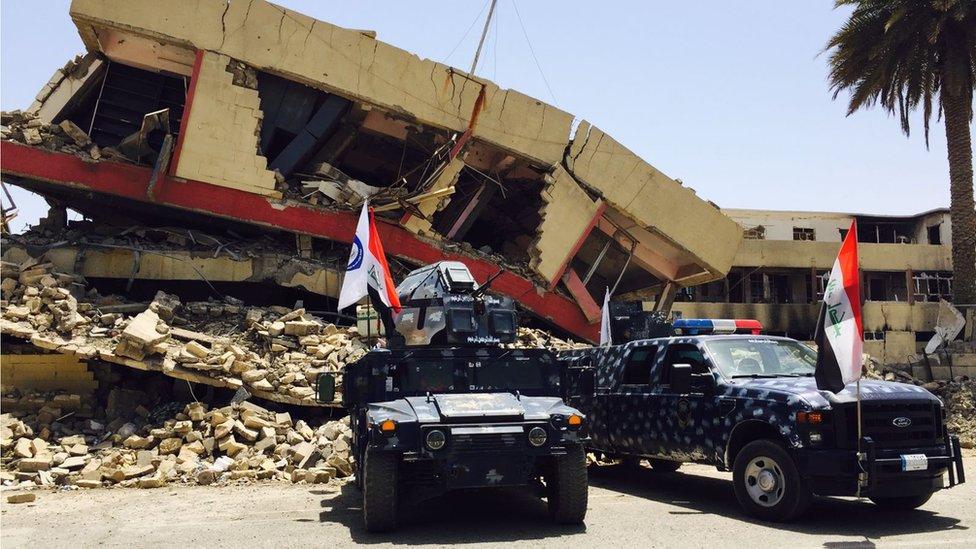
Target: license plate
[914, 462]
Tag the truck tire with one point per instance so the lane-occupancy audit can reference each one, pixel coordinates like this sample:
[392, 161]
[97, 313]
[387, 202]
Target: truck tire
[902, 503]
[380, 492]
[567, 488]
[664, 465]
[767, 483]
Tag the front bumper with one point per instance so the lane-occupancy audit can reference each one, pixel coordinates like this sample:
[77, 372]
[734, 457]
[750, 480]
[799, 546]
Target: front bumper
[476, 455]
[833, 472]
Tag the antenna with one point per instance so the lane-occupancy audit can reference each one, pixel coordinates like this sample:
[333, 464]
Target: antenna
[484, 33]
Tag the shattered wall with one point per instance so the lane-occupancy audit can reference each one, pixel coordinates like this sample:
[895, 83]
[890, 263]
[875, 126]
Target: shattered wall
[568, 215]
[220, 142]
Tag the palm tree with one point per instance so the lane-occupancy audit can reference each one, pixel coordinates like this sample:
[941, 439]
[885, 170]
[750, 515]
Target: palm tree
[910, 54]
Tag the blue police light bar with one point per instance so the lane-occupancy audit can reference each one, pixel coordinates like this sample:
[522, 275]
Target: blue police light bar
[705, 326]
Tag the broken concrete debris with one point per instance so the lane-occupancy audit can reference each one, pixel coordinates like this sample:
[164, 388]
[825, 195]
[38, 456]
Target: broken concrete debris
[189, 444]
[275, 352]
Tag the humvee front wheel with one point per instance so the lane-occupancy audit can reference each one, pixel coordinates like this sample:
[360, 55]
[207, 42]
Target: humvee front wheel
[566, 485]
[379, 480]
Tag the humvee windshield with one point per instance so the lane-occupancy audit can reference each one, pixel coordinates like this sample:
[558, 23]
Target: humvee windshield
[531, 377]
[762, 357]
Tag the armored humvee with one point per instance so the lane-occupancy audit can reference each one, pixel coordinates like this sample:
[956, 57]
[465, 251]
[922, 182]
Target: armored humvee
[447, 407]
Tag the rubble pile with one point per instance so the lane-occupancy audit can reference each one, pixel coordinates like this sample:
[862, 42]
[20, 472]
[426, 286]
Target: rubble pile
[55, 440]
[66, 137]
[958, 395]
[274, 352]
[530, 338]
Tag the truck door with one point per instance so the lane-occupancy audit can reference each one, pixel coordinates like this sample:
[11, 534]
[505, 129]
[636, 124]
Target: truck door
[685, 419]
[626, 405]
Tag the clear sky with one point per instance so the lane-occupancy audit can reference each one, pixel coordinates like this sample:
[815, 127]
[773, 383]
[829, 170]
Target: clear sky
[729, 97]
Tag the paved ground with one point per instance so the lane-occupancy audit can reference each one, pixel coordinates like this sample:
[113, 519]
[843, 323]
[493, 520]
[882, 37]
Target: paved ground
[693, 508]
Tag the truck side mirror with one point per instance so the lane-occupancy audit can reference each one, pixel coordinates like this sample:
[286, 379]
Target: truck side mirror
[325, 388]
[681, 378]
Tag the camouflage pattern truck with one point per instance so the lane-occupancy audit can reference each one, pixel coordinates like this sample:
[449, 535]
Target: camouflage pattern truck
[447, 407]
[749, 404]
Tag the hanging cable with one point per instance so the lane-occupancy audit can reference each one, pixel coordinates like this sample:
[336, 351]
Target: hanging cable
[471, 26]
[532, 51]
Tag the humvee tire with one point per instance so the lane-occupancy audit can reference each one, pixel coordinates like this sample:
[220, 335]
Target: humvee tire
[379, 470]
[664, 465]
[903, 503]
[567, 487]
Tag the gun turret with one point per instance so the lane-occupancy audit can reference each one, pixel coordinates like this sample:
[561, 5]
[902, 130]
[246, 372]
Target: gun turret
[442, 304]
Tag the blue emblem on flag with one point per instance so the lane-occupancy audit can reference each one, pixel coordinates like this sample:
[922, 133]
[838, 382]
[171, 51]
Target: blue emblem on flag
[356, 258]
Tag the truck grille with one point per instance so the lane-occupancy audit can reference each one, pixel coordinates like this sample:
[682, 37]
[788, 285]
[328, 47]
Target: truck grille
[879, 423]
[488, 443]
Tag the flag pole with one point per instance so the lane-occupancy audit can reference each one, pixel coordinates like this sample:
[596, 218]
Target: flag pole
[860, 456]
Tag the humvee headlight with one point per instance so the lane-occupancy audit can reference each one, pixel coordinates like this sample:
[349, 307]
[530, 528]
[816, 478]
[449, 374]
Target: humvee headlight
[815, 437]
[537, 436]
[435, 439]
[574, 421]
[388, 426]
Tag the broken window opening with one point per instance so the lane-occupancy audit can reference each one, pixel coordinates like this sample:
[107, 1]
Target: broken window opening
[804, 233]
[297, 121]
[934, 234]
[493, 218]
[885, 286]
[754, 233]
[611, 264]
[114, 107]
[885, 232]
[932, 287]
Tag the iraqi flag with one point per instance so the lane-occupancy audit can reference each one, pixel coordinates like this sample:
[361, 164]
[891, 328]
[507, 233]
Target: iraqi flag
[839, 332]
[367, 269]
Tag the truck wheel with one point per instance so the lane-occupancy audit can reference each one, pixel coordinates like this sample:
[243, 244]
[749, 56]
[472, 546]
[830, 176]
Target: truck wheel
[904, 503]
[664, 465]
[379, 491]
[767, 483]
[566, 485]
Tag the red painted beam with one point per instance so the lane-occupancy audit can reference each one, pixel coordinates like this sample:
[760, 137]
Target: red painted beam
[575, 285]
[130, 181]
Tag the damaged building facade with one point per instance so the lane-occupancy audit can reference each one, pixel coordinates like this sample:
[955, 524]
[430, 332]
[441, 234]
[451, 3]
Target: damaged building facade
[249, 117]
[779, 272]
[219, 157]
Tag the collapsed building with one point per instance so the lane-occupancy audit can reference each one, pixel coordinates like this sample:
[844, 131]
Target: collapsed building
[252, 117]
[219, 156]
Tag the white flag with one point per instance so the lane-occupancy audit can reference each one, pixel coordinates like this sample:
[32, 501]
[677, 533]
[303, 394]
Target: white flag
[367, 266]
[605, 339]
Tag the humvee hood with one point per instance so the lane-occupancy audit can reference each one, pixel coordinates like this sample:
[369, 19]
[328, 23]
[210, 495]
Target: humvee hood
[477, 405]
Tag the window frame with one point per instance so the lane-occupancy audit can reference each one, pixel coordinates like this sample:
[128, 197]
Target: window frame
[653, 351]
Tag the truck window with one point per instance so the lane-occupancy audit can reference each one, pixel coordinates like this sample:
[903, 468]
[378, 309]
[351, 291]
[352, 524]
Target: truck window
[638, 368]
[683, 354]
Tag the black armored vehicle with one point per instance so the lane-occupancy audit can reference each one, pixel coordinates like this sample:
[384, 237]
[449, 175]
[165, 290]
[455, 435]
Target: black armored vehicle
[749, 404]
[447, 407]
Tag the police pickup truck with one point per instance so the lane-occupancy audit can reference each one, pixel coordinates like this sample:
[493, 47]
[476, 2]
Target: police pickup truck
[749, 403]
